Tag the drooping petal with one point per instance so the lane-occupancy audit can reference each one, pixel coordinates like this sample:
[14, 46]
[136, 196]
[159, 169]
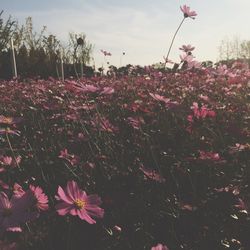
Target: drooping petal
[84, 216]
[63, 208]
[95, 211]
[94, 199]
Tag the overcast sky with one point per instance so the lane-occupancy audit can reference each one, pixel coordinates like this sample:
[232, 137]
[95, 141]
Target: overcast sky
[141, 28]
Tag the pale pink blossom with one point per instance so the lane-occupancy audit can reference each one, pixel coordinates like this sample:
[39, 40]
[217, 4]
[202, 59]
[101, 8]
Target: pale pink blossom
[159, 246]
[187, 12]
[107, 91]
[106, 53]
[186, 58]
[187, 48]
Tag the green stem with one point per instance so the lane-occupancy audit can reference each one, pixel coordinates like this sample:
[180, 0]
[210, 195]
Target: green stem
[166, 59]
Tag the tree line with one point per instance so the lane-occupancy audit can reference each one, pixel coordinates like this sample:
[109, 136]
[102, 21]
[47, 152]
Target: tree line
[39, 54]
[231, 49]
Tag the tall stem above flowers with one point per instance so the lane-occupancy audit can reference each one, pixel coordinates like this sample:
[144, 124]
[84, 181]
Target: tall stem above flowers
[187, 13]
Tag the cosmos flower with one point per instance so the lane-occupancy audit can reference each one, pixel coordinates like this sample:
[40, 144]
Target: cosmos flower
[152, 174]
[13, 212]
[187, 12]
[187, 48]
[76, 202]
[209, 156]
[9, 161]
[107, 91]
[105, 53]
[4, 131]
[159, 247]
[9, 120]
[41, 200]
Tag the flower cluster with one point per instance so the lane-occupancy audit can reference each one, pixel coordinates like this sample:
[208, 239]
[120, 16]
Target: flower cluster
[21, 207]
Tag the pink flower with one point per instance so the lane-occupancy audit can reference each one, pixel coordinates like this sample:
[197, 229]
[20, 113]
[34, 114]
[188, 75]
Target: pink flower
[103, 124]
[71, 158]
[18, 190]
[4, 185]
[187, 12]
[41, 200]
[202, 112]
[159, 98]
[105, 53]
[209, 156]
[117, 228]
[152, 174]
[204, 98]
[9, 131]
[9, 161]
[136, 122]
[13, 212]
[76, 202]
[168, 103]
[160, 247]
[9, 120]
[186, 58]
[107, 91]
[187, 48]
[194, 64]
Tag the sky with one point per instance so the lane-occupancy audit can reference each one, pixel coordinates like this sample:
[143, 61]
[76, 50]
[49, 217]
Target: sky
[143, 29]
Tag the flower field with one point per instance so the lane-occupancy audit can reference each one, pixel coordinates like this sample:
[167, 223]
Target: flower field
[149, 160]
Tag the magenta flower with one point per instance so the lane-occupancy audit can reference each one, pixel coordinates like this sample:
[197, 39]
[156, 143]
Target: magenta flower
[18, 190]
[76, 202]
[9, 131]
[136, 122]
[107, 91]
[71, 158]
[41, 200]
[13, 212]
[159, 98]
[167, 101]
[152, 174]
[209, 156]
[202, 112]
[187, 12]
[160, 247]
[9, 161]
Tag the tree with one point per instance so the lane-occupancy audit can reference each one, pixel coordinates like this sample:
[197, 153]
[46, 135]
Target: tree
[231, 49]
[6, 31]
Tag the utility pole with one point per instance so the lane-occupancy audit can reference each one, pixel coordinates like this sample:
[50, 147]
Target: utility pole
[14, 69]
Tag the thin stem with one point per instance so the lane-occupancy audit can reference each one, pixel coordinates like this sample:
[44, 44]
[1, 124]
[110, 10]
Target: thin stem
[166, 59]
[12, 151]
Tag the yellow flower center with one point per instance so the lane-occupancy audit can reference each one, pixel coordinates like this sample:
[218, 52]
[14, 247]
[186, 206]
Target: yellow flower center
[8, 120]
[80, 203]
